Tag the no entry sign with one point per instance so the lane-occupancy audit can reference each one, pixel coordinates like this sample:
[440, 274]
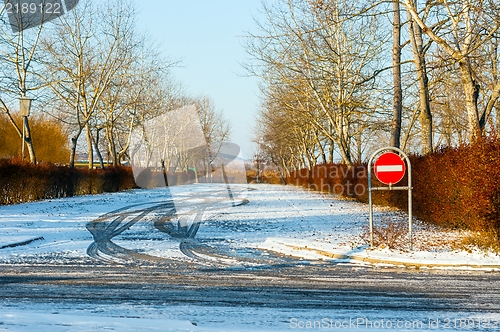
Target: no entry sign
[389, 168]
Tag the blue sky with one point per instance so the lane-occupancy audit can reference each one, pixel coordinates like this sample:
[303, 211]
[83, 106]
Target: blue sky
[207, 36]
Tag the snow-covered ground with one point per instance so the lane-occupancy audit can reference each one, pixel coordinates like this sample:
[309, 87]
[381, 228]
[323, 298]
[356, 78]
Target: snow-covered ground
[241, 232]
[286, 220]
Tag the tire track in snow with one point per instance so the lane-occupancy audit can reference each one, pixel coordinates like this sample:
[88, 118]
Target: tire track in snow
[165, 218]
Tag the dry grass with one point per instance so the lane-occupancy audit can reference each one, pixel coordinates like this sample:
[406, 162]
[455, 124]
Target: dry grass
[484, 241]
[389, 234]
[392, 233]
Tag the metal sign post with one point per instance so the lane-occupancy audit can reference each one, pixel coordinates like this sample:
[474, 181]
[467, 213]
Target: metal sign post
[396, 169]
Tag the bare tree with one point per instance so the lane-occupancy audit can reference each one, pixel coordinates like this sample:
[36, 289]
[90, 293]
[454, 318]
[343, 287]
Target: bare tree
[90, 46]
[327, 57]
[139, 91]
[215, 128]
[465, 26]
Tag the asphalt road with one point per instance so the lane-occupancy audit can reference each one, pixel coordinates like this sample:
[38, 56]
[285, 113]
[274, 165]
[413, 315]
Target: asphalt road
[293, 286]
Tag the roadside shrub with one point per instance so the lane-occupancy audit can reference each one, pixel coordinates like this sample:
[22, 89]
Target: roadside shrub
[21, 181]
[265, 176]
[460, 187]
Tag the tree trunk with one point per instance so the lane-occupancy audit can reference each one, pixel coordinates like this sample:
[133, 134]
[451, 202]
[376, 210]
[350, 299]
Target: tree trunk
[345, 153]
[497, 118]
[27, 132]
[344, 141]
[359, 147]
[125, 148]
[90, 150]
[321, 148]
[423, 83]
[74, 142]
[493, 100]
[28, 140]
[471, 91]
[426, 127]
[396, 74]
[330, 152]
[95, 141]
[111, 145]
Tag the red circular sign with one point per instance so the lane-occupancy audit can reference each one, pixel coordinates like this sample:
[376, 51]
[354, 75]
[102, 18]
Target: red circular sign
[389, 168]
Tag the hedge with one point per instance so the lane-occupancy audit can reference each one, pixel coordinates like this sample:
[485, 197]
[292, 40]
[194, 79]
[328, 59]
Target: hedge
[21, 181]
[454, 186]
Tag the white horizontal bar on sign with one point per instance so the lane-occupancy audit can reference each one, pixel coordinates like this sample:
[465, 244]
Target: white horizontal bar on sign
[390, 168]
[390, 188]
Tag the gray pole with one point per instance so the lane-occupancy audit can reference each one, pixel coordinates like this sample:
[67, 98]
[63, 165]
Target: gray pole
[22, 146]
[370, 199]
[410, 207]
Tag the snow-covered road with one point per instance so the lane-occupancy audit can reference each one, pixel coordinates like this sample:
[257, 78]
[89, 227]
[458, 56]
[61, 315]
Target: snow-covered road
[257, 257]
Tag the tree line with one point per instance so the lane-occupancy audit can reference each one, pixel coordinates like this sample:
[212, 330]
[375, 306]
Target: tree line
[95, 75]
[341, 76]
